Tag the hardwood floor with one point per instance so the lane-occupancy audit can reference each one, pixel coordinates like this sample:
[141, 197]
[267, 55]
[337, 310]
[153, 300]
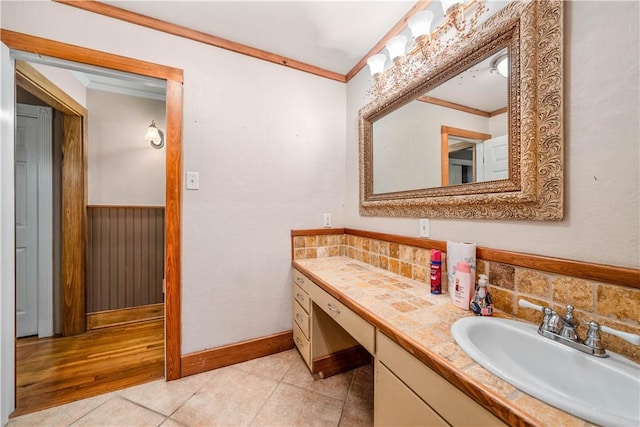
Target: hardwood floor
[54, 371]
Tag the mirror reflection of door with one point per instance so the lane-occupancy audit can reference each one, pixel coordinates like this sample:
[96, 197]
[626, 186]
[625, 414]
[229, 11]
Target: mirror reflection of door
[463, 162]
[463, 156]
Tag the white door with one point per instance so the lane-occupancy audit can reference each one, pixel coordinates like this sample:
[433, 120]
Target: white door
[496, 158]
[33, 206]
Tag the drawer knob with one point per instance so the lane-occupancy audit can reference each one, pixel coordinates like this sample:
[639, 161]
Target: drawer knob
[300, 297]
[299, 342]
[333, 308]
[299, 280]
[298, 318]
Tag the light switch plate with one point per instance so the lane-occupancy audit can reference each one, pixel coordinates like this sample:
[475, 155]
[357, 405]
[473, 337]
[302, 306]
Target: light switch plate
[424, 227]
[193, 181]
[326, 220]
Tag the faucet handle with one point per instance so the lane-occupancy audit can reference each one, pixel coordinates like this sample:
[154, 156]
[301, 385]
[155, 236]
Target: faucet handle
[593, 338]
[526, 304]
[632, 338]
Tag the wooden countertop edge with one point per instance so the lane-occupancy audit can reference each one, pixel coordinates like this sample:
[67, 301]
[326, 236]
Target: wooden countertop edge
[496, 405]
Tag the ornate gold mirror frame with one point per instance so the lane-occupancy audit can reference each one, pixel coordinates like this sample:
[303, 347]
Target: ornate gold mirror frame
[532, 32]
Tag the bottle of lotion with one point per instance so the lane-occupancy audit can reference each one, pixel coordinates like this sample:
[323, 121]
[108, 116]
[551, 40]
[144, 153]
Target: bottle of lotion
[482, 305]
[462, 285]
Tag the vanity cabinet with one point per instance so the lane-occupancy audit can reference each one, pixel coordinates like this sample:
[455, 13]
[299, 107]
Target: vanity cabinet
[407, 392]
[323, 327]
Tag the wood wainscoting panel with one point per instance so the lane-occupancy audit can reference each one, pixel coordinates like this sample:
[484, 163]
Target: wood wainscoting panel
[124, 316]
[125, 257]
[206, 360]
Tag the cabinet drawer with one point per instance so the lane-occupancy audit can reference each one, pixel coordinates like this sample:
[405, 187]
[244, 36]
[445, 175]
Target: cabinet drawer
[301, 280]
[397, 405]
[303, 344]
[302, 297]
[301, 318]
[357, 327]
[452, 404]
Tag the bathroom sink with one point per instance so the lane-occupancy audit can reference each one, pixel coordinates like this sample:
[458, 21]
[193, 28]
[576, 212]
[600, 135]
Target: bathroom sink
[603, 391]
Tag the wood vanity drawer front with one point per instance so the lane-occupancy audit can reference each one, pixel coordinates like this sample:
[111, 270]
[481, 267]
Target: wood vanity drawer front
[397, 405]
[358, 328]
[453, 405]
[302, 343]
[302, 297]
[301, 280]
[301, 318]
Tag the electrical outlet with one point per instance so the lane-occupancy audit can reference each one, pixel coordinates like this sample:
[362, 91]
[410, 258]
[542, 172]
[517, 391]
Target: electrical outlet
[424, 227]
[326, 220]
[193, 180]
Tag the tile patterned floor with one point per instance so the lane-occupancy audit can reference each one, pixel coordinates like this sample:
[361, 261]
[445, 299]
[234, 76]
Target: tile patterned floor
[276, 390]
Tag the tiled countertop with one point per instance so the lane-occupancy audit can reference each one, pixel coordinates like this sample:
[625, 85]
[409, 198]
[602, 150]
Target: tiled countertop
[406, 311]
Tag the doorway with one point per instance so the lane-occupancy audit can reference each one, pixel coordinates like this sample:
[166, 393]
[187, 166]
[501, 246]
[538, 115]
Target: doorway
[108, 356]
[18, 42]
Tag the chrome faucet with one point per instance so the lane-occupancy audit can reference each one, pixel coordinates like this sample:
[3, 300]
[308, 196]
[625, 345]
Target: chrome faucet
[551, 321]
[563, 330]
[569, 325]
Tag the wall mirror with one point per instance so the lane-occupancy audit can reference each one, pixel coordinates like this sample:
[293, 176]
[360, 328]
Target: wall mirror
[466, 139]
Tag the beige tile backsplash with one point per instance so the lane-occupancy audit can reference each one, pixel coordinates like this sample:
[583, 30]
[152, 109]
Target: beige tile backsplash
[611, 305]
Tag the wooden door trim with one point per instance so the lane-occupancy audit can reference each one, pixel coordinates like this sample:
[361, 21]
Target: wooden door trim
[74, 225]
[83, 55]
[74, 193]
[173, 76]
[31, 80]
[198, 36]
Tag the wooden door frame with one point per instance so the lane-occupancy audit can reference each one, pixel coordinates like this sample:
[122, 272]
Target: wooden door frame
[173, 203]
[74, 195]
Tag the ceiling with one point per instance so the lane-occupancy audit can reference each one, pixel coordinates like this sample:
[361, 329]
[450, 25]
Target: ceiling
[333, 35]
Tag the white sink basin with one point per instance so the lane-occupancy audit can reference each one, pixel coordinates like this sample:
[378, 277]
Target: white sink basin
[603, 391]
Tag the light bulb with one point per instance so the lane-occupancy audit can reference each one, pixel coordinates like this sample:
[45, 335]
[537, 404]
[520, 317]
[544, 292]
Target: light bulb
[420, 23]
[396, 46]
[376, 64]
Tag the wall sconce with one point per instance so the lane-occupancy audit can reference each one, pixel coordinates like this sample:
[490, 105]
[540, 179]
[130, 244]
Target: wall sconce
[154, 136]
[427, 45]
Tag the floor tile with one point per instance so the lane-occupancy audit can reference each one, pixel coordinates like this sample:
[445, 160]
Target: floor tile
[358, 409]
[293, 406]
[63, 415]
[230, 398]
[166, 396]
[169, 422]
[364, 374]
[273, 390]
[336, 386]
[120, 412]
[273, 367]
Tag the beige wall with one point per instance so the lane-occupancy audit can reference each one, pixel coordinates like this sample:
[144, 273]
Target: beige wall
[123, 168]
[268, 142]
[602, 176]
[65, 80]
